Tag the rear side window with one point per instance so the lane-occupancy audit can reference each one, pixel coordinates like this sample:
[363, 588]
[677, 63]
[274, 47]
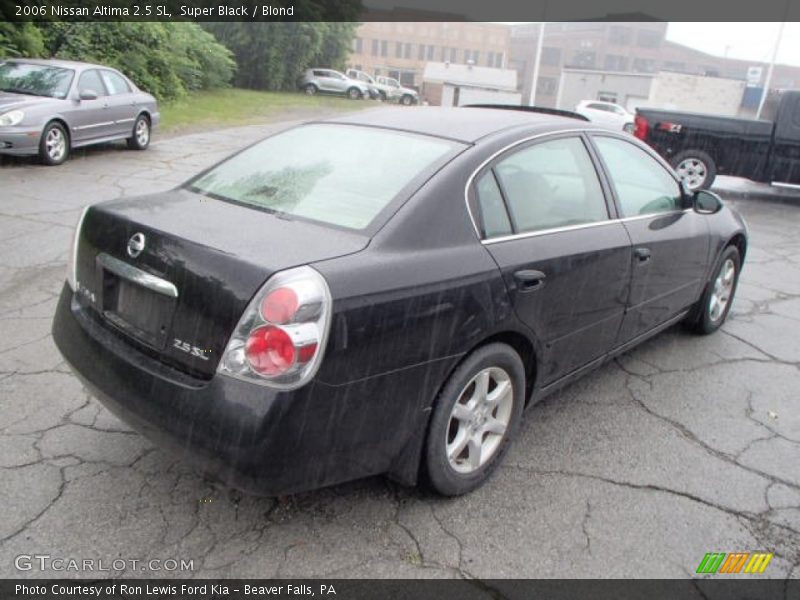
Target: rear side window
[551, 184]
[90, 80]
[643, 186]
[115, 83]
[493, 209]
[337, 174]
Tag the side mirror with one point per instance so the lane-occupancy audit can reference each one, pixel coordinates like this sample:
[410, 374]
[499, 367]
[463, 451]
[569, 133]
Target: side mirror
[88, 95]
[706, 203]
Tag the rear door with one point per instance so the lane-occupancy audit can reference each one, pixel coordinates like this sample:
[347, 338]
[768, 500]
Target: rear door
[122, 108]
[323, 78]
[335, 82]
[670, 242]
[566, 263]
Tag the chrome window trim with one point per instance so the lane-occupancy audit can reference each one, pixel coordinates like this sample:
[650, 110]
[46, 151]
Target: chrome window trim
[480, 167]
[137, 276]
[526, 234]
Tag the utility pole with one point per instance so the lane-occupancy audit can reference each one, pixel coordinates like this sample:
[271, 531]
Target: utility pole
[537, 61]
[771, 67]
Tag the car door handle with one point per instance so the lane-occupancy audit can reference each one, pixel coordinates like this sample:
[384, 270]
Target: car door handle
[642, 254]
[529, 280]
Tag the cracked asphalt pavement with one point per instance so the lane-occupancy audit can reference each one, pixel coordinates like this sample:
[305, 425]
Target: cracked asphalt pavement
[685, 445]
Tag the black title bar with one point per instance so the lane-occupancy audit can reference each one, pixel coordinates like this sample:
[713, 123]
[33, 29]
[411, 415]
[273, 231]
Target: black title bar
[729, 588]
[397, 10]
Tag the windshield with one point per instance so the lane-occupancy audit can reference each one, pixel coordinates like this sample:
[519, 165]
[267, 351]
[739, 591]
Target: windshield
[337, 174]
[35, 80]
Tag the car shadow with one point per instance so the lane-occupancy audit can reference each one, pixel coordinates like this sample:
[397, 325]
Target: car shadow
[84, 153]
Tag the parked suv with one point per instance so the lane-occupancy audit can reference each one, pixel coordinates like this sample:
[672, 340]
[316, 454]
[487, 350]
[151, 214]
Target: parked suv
[385, 88]
[375, 91]
[396, 92]
[329, 81]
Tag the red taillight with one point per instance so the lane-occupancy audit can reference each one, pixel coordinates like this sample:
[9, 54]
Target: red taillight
[270, 351]
[640, 127]
[280, 338]
[280, 306]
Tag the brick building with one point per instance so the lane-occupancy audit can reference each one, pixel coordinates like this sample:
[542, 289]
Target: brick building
[402, 49]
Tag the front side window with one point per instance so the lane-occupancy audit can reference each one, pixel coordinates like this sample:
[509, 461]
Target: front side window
[551, 184]
[336, 174]
[643, 186]
[35, 80]
[90, 81]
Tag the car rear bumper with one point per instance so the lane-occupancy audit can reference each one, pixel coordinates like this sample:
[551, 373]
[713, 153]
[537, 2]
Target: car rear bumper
[20, 142]
[255, 438]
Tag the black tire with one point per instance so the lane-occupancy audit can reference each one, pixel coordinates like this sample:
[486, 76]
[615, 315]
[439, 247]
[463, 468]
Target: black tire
[51, 152]
[354, 93]
[406, 100]
[140, 135]
[696, 160]
[382, 96]
[310, 89]
[702, 319]
[444, 427]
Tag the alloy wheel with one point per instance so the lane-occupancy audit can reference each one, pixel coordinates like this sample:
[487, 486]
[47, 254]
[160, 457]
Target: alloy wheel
[479, 420]
[722, 291]
[55, 144]
[693, 171]
[142, 132]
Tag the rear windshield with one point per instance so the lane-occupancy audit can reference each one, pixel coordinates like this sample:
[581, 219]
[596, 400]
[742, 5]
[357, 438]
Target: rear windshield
[337, 174]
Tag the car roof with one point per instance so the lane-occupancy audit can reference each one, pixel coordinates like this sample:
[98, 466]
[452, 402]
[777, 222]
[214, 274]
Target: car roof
[57, 62]
[464, 124]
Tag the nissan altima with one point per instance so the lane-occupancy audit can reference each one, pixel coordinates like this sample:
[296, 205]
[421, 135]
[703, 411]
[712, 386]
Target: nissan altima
[385, 293]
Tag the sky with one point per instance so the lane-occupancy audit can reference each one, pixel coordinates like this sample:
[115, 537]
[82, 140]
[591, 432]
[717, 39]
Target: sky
[748, 41]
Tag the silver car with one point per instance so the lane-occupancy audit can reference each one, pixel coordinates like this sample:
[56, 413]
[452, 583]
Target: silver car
[385, 89]
[48, 107]
[329, 81]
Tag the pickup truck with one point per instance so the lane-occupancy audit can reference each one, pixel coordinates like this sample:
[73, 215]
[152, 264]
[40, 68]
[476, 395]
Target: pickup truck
[700, 147]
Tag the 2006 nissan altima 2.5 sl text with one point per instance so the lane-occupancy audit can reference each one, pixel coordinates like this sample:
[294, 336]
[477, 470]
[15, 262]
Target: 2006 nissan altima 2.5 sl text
[386, 292]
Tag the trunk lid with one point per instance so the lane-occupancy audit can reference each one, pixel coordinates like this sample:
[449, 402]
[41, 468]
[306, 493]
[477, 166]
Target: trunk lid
[202, 261]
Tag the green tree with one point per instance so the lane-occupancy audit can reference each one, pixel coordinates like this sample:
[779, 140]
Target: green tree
[270, 56]
[20, 39]
[166, 59]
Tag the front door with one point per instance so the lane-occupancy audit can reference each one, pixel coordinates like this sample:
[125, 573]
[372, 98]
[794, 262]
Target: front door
[90, 119]
[670, 243]
[565, 262]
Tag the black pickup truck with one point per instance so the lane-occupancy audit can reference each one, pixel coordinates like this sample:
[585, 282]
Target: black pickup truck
[700, 147]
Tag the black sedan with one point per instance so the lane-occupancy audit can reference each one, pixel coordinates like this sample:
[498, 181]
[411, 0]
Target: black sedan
[386, 292]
